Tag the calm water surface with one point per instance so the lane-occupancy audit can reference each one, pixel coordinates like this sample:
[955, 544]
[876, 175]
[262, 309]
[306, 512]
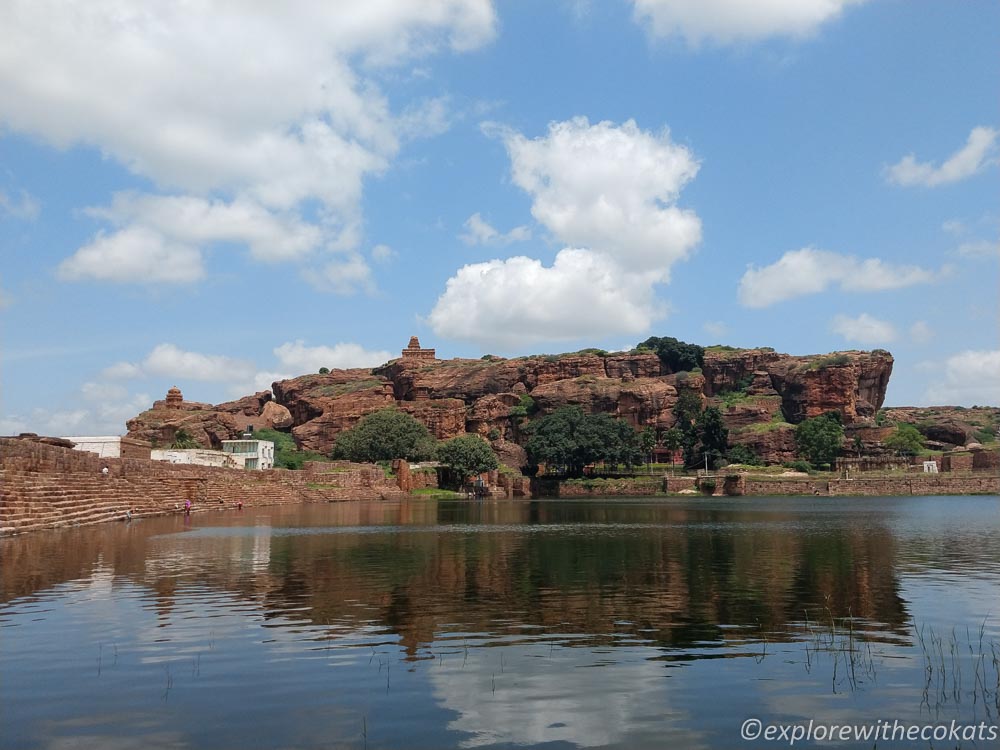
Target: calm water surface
[557, 624]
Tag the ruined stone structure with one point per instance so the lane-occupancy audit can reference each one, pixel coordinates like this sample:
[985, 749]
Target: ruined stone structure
[413, 352]
[174, 398]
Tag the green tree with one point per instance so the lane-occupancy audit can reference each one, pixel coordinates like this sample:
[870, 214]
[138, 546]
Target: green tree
[184, 439]
[467, 456]
[686, 413]
[713, 437]
[673, 440]
[647, 441]
[568, 439]
[820, 439]
[906, 440]
[383, 436]
[676, 355]
[324, 371]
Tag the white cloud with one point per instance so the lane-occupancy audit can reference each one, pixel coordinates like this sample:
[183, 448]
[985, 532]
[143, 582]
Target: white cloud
[270, 236]
[25, 206]
[302, 359]
[978, 152]
[308, 131]
[921, 332]
[609, 188]
[122, 371]
[979, 249]
[736, 20]
[346, 276]
[610, 192]
[969, 378]
[810, 271]
[134, 254]
[509, 303]
[167, 360]
[105, 409]
[863, 329]
[383, 254]
[480, 232]
[170, 361]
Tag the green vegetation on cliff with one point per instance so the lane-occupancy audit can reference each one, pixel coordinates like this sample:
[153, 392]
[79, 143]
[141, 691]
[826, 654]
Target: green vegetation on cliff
[383, 436]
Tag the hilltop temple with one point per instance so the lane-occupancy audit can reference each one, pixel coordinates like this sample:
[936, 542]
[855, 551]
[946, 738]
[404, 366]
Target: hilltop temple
[413, 352]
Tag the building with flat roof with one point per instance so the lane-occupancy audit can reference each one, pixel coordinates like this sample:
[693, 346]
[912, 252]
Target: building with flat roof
[255, 455]
[110, 446]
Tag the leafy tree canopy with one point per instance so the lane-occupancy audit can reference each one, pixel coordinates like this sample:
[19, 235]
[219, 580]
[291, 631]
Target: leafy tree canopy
[906, 440]
[467, 456]
[383, 436]
[676, 355]
[819, 439]
[570, 439]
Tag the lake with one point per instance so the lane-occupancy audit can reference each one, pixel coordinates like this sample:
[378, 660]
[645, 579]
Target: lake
[557, 624]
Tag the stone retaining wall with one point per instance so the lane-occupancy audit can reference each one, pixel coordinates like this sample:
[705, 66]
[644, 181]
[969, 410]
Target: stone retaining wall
[44, 486]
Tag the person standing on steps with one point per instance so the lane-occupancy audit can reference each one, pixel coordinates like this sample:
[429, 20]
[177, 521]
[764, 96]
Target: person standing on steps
[187, 507]
[104, 472]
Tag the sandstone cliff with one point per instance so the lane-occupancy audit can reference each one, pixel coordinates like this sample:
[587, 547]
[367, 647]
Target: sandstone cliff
[761, 393]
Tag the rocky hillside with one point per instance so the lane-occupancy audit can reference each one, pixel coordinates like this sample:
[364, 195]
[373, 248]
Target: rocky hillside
[762, 394]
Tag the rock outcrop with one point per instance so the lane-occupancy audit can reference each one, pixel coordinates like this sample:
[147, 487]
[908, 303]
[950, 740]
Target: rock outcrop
[761, 393]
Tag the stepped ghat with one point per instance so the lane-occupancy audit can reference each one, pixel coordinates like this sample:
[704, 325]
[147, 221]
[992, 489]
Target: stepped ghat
[50, 486]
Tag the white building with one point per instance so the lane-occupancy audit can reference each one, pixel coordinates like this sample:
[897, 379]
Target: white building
[105, 446]
[254, 454]
[110, 446]
[197, 457]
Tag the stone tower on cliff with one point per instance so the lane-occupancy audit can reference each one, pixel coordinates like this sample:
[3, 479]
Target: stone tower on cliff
[413, 352]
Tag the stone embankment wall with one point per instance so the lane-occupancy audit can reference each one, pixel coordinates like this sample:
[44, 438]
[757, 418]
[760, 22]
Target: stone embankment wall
[931, 484]
[44, 486]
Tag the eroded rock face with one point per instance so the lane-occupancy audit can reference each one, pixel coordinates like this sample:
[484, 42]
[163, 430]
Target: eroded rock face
[484, 396]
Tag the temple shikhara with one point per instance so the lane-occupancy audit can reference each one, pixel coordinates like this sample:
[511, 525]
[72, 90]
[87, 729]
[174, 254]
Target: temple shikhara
[413, 352]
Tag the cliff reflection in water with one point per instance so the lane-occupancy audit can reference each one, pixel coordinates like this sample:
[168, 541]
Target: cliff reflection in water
[674, 575]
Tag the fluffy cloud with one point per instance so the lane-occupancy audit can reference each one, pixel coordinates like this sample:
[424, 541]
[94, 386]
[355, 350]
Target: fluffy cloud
[736, 20]
[301, 121]
[104, 409]
[508, 303]
[810, 271]
[134, 254]
[863, 329]
[480, 232]
[969, 378]
[161, 237]
[979, 152]
[609, 188]
[170, 361]
[299, 358]
[610, 193]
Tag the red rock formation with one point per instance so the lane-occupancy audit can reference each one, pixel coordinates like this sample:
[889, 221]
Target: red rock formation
[477, 395]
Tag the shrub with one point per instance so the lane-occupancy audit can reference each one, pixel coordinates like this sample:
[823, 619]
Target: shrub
[798, 465]
[741, 454]
[493, 434]
[324, 371]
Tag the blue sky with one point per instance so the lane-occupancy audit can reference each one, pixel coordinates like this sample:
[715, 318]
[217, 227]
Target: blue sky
[223, 196]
